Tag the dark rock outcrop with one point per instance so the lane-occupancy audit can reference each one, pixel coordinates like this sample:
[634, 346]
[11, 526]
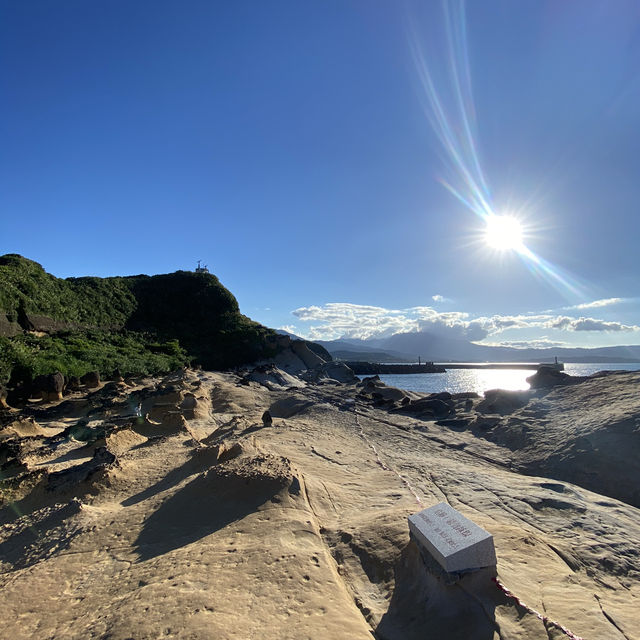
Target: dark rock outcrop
[48, 387]
[91, 379]
[8, 327]
[429, 407]
[503, 402]
[372, 389]
[546, 377]
[44, 324]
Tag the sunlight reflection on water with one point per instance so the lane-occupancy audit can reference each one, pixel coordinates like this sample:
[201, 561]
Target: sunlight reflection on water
[480, 380]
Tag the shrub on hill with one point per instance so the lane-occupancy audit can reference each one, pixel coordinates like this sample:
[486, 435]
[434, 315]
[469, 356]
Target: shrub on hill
[26, 288]
[24, 357]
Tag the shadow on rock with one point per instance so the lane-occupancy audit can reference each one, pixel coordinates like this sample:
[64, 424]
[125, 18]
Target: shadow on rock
[428, 603]
[41, 489]
[201, 460]
[39, 535]
[208, 503]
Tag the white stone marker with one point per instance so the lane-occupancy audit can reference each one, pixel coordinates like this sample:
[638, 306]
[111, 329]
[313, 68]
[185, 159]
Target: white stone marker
[453, 540]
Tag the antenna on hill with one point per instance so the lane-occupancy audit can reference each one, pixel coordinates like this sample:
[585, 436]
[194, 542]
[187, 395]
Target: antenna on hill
[202, 268]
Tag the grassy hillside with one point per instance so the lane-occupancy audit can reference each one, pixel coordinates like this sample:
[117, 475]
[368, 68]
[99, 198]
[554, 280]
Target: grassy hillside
[26, 288]
[138, 324]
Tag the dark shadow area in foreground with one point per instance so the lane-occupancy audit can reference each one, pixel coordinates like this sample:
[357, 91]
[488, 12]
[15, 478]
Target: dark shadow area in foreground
[208, 503]
[426, 603]
[201, 460]
[40, 536]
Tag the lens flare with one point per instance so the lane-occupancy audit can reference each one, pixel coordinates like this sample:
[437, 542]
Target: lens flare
[449, 107]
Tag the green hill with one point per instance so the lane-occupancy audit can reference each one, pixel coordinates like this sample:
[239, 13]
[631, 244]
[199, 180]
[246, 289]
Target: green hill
[138, 324]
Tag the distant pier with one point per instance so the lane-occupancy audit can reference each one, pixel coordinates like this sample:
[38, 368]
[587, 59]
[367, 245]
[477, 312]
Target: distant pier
[556, 366]
[375, 368]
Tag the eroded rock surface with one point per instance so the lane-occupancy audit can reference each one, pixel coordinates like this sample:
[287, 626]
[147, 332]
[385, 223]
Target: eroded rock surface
[173, 508]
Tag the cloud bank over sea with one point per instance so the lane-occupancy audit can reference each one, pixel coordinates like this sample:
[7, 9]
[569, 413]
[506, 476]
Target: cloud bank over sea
[336, 320]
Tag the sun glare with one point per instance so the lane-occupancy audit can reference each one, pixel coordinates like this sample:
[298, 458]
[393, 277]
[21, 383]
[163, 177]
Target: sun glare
[503, 233]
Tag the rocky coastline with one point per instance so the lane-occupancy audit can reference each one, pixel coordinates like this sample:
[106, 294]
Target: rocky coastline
[272, 501]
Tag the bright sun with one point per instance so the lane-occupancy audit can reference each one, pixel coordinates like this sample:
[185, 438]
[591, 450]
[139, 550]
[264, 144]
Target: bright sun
[503, 233]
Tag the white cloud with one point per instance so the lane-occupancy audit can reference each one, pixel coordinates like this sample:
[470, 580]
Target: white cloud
[540, 343]
[496, 324]
[336, 320]
[588, 324]
[605, 302]
[346, 320]
[438, 298]
[289, 328]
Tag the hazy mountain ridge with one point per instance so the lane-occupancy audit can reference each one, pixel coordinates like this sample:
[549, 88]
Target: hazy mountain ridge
[438, 349]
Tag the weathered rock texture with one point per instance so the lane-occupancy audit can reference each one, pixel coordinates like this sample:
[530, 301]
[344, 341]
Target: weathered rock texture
[205, 519]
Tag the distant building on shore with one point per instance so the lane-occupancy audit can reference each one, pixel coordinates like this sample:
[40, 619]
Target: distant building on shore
[202, 268]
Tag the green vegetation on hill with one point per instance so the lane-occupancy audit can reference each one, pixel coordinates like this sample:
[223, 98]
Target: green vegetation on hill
[138, 324]
[74, 353]
[26, 288]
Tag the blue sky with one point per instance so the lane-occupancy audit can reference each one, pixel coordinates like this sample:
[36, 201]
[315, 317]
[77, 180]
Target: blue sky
[330, 160]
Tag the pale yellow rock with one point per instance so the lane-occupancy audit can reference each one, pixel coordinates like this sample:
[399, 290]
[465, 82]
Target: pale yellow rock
[224, 528]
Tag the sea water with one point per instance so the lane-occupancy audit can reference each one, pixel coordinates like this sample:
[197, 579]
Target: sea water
[480, 380]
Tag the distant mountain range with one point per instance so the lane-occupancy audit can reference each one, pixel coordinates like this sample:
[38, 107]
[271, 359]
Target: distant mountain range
[429, 347]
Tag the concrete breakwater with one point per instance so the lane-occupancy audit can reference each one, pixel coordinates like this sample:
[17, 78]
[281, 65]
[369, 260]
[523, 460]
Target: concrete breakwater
[374, 368]
[557, 366]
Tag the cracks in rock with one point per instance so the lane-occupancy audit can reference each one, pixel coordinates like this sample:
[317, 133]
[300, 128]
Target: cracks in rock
[544, 622]
[609, 618]
[572, 563]
[308, 498]
[438, 441]
[382, 464]
[129, 563]
[513, 512]
[469, 506]
[439, 488]
[382, 420]
[327, 458]
[330, 497]
[329, 552]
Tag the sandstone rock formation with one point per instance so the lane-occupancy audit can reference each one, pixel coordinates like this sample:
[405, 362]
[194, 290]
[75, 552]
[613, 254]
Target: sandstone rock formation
[332, 371]
[208, 523]
[270, 376]
[585, 433]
